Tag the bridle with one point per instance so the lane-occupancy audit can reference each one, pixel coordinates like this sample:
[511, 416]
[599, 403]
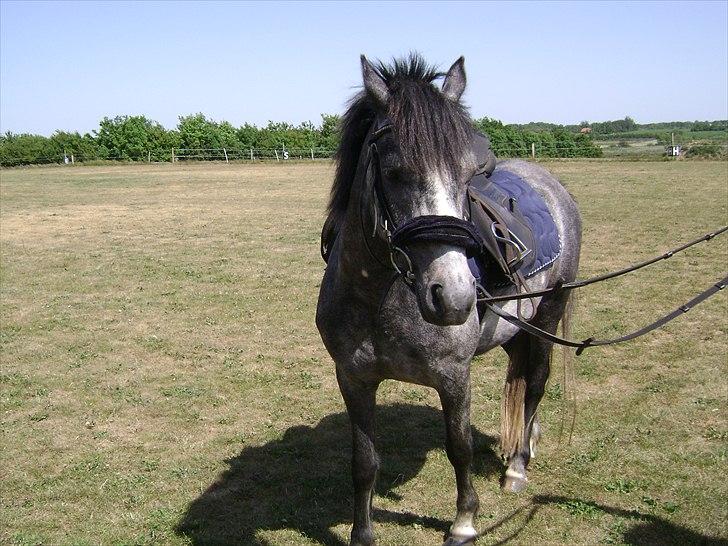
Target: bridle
[445, 229]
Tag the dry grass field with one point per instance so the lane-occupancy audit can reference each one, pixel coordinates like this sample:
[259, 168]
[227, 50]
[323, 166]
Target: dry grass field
[162, 380]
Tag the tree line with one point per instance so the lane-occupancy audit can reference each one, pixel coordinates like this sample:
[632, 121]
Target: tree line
[137, 138]
[627, 125]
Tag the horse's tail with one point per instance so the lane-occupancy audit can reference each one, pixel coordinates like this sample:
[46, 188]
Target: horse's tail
[513, 422]
[514, 397]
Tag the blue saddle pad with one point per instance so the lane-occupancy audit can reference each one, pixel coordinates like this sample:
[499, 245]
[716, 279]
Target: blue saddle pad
[536, 214]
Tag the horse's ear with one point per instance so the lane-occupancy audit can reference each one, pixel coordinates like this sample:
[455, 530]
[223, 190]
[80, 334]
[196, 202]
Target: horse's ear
[374, 83]
[454, 83]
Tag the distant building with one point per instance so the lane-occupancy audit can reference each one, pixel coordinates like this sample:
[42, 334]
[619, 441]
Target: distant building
[585, 130]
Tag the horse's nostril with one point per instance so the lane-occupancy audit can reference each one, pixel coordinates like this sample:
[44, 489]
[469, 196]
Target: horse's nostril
[436, 290]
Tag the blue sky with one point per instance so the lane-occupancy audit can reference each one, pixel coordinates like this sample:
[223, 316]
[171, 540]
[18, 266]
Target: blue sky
[65, 65]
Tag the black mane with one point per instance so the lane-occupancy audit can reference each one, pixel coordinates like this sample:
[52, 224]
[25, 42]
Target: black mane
[432, 129]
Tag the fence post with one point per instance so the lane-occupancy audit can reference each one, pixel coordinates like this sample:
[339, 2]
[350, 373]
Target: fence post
[149, 156]
[72, 159]
[311, 154]
[277, 158]
[533, 150]
[251, 154]
[224, 150]
[172, 155]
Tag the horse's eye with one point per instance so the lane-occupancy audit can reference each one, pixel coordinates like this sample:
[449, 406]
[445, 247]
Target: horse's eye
[393, 175]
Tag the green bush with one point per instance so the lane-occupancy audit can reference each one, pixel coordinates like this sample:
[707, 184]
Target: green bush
[134, 138]
[196, 132]
[718, 125]
[511, 141]
[27, 149]
[707, 151]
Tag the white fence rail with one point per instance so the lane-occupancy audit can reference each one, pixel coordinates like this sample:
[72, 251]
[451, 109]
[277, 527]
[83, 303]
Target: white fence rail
[183, 154]
[281, 154]
[256, 154]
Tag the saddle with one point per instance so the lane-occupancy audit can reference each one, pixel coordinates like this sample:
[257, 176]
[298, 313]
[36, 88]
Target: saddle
[515, 224]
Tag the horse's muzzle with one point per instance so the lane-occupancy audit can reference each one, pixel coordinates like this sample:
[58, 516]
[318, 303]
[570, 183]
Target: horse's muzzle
[448, 303]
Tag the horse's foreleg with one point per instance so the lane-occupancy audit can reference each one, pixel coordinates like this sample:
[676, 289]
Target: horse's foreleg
[455, 399]
[360, 400]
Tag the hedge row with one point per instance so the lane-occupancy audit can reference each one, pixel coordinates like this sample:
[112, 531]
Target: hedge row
[137, 138]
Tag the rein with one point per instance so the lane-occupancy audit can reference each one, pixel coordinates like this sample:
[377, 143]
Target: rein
[591, 342]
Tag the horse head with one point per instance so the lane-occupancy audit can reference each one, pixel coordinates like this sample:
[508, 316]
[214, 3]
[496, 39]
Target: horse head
[421, 159]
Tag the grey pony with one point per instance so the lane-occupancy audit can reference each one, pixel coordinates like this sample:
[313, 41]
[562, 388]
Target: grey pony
[377, 327]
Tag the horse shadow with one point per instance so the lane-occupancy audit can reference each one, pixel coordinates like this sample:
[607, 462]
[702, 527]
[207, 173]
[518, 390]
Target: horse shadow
[302, 480]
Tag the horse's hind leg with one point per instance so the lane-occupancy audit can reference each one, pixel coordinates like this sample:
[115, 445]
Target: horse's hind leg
[528, 371]
[455, 399]
[360, 400]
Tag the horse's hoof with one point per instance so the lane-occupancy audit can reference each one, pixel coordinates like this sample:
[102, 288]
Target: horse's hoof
[514, 482]
[460, 540]
[364, 538]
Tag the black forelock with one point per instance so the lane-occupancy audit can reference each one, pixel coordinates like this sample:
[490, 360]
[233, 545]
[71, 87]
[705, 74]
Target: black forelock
[411, 68]
[432, 131]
